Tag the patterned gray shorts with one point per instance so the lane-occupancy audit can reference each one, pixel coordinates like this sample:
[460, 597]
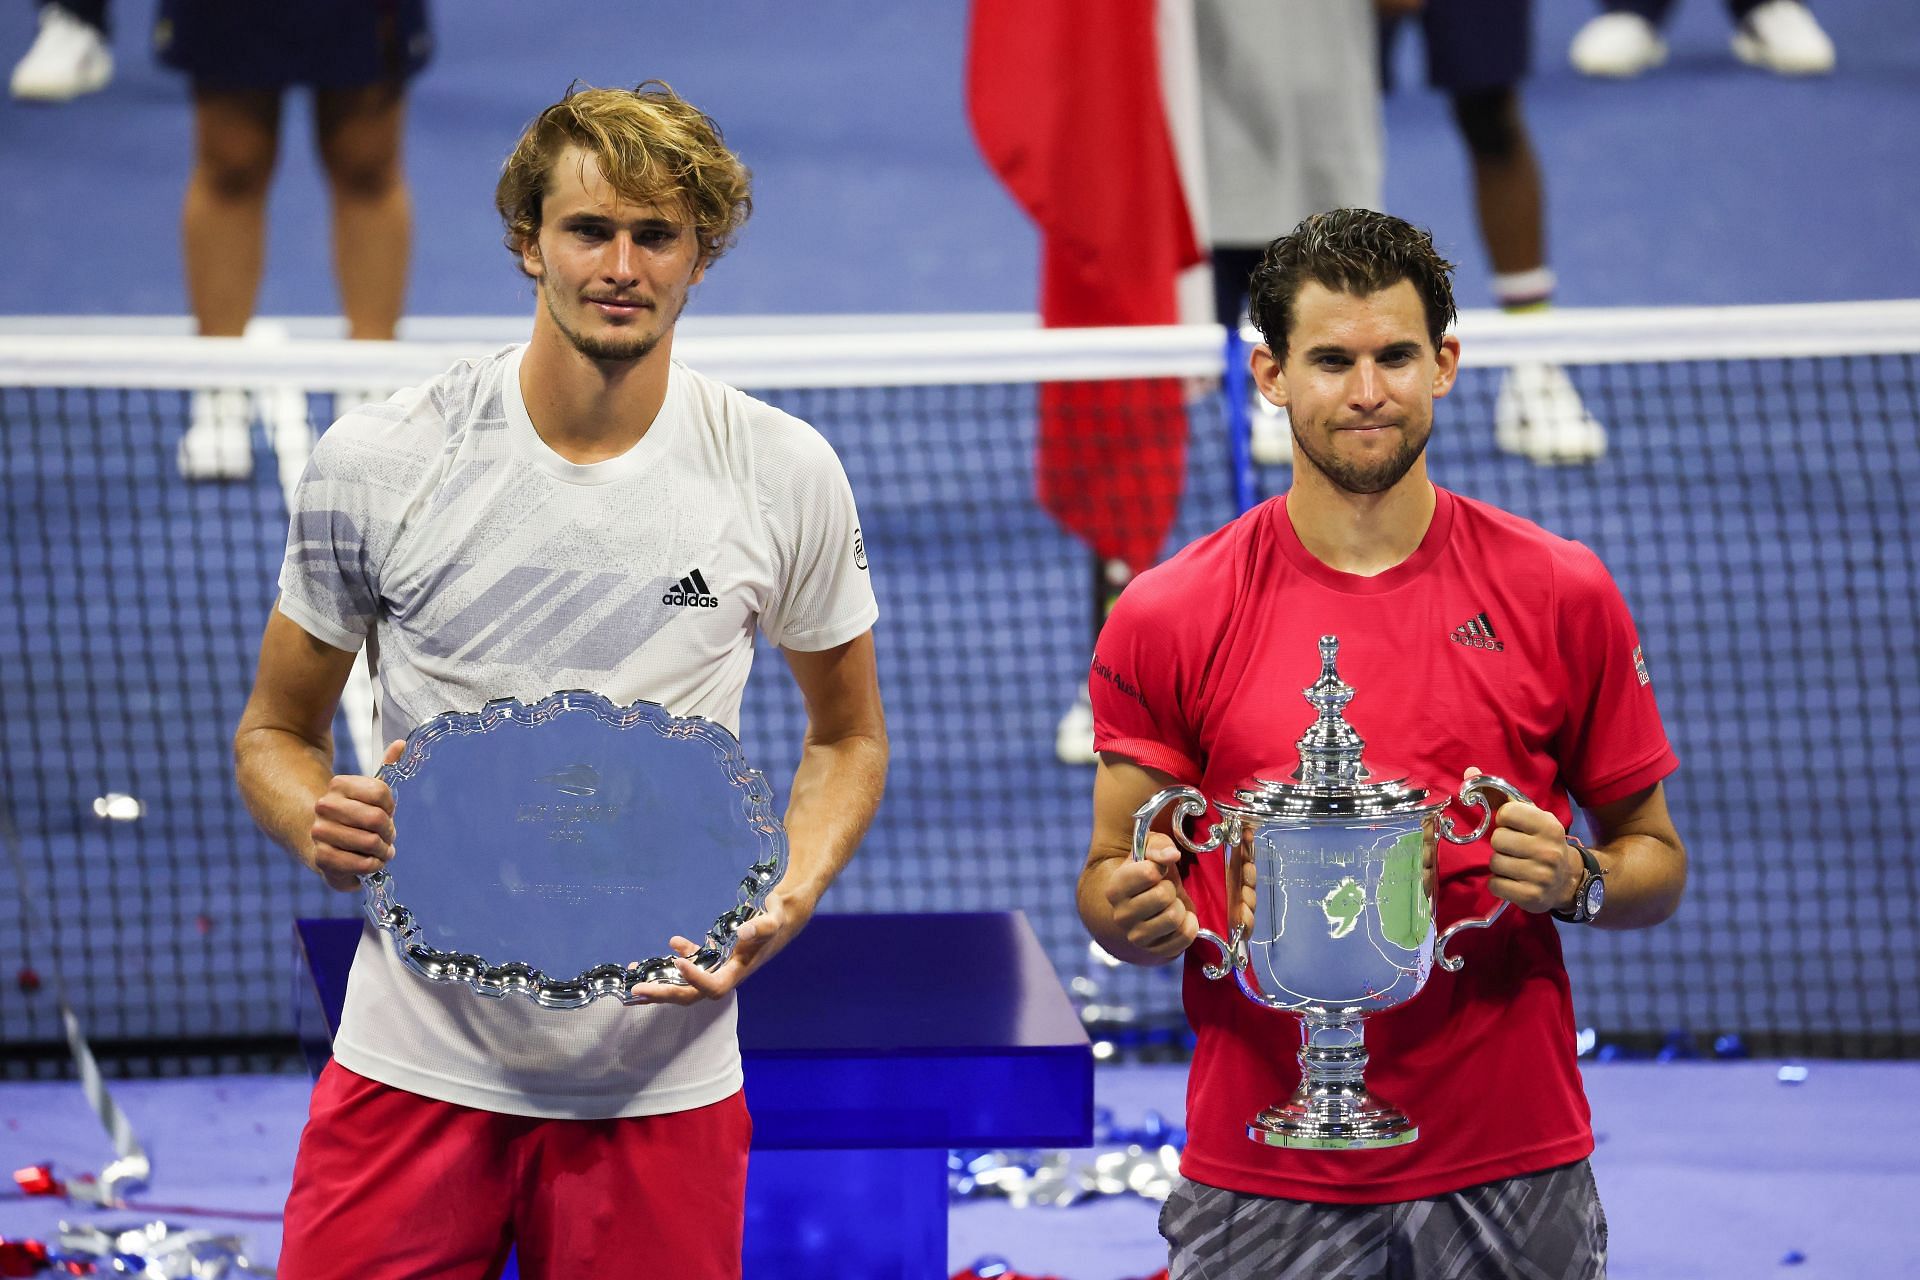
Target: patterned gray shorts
[1540, 1226]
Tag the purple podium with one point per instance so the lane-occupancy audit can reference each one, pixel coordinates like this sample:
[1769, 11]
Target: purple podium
[872, 1044]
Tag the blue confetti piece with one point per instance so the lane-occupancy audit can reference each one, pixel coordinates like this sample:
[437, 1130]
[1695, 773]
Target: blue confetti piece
[1729, 1047]
[1677, 1047]
[1793, 1258]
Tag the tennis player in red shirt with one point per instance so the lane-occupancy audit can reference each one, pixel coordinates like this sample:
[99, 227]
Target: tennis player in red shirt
[1475, 640]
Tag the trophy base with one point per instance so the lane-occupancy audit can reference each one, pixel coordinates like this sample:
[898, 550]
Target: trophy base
[1352, 1124]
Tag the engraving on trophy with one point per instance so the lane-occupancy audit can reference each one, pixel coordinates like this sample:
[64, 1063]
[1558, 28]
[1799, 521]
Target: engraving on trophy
[575, 780]
[1343, 905]
[568, 822]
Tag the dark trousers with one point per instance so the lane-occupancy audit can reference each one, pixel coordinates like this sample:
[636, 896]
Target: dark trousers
[91, 12]
[1655, 11]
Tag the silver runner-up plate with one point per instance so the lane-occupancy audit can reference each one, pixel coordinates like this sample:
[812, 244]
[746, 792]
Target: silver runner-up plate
[553, 849]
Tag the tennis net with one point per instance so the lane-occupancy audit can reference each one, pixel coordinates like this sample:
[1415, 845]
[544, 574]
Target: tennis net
[1749, 500]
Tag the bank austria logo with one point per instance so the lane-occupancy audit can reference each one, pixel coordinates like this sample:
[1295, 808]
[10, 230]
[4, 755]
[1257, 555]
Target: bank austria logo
[693, 592]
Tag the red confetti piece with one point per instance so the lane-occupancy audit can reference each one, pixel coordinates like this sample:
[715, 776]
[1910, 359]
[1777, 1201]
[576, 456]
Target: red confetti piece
[28, 979]
[38, 1180]
[22, 1257]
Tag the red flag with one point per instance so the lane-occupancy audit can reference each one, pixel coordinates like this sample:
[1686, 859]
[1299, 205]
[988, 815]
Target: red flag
[1065, 98]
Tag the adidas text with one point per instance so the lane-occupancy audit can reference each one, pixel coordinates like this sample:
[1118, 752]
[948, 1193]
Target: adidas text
[693, 592]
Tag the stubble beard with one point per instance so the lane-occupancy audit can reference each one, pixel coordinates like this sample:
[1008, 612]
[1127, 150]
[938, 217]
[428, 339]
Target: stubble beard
[1365, 478]
[624, 349]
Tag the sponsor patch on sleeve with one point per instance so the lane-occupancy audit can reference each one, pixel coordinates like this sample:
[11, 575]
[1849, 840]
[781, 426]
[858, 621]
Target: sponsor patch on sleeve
[859, 550]
[1126, 687]
[1640, 666]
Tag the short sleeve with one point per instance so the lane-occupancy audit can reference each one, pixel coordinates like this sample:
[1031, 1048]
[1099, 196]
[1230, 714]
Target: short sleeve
[1141, 682]
[823, 596]
[1615, 743]
[327, 581]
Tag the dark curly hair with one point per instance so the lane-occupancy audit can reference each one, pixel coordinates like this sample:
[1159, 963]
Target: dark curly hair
[1353, 251]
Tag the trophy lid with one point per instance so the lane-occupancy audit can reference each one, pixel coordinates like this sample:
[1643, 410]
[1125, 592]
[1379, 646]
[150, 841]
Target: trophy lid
[1332, 780]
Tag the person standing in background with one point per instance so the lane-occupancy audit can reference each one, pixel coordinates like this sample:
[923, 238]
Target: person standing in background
[69, 56]
[1478, 52]
[1290, 126]
[242, 56]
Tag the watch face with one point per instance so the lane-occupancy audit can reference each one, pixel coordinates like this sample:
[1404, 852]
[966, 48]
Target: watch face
[1596, 894]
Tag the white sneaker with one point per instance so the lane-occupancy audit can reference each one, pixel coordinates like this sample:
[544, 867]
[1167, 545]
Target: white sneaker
[1540, 416]
[1618, 45]
[1784, 36]
[68, 58]
[289, 430]
[219, 440]
[1271, 434]
[1073, 740]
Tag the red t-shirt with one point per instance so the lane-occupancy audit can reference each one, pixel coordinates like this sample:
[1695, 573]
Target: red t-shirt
[1496, 645]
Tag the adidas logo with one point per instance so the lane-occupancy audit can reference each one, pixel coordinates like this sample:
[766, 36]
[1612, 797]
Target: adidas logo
[693, 592]
[1477, 633]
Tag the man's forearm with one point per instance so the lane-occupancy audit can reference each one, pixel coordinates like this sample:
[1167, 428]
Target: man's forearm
[1644, 876]
[835, 792]
[281, 775]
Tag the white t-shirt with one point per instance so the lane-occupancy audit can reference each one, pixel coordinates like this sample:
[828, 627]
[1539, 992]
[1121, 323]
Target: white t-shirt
[476, 563]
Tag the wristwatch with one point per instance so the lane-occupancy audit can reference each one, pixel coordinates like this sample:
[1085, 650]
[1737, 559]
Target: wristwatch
[1591, 893]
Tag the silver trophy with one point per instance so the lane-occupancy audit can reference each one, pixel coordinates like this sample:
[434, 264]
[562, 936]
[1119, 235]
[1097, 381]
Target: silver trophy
[552, 850]
[1342, 872]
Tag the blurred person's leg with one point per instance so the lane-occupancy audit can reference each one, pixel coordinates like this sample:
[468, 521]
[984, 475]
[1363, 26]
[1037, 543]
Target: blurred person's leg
[359, 135]
[69, 56]
[1538, 412]
[224, 220]
[1479, 52]
[224, 231]
[1506, 184]
[1654, 11]
[1269, 431]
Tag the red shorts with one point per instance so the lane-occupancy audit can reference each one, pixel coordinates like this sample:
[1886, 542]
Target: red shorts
[391, 1184]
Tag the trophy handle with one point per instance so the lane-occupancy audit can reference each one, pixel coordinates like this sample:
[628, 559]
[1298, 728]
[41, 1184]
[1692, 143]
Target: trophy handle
[1191, 805]
[1474, 795]
[1452, 963]
[1231, 956]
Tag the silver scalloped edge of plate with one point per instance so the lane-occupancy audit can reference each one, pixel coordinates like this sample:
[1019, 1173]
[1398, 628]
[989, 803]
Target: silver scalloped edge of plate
[514, 978]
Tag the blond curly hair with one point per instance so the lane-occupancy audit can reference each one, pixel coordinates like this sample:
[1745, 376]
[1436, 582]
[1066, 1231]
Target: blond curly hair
[653, 147]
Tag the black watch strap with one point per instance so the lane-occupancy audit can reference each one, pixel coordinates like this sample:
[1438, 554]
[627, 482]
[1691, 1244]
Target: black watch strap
[1578, 914]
